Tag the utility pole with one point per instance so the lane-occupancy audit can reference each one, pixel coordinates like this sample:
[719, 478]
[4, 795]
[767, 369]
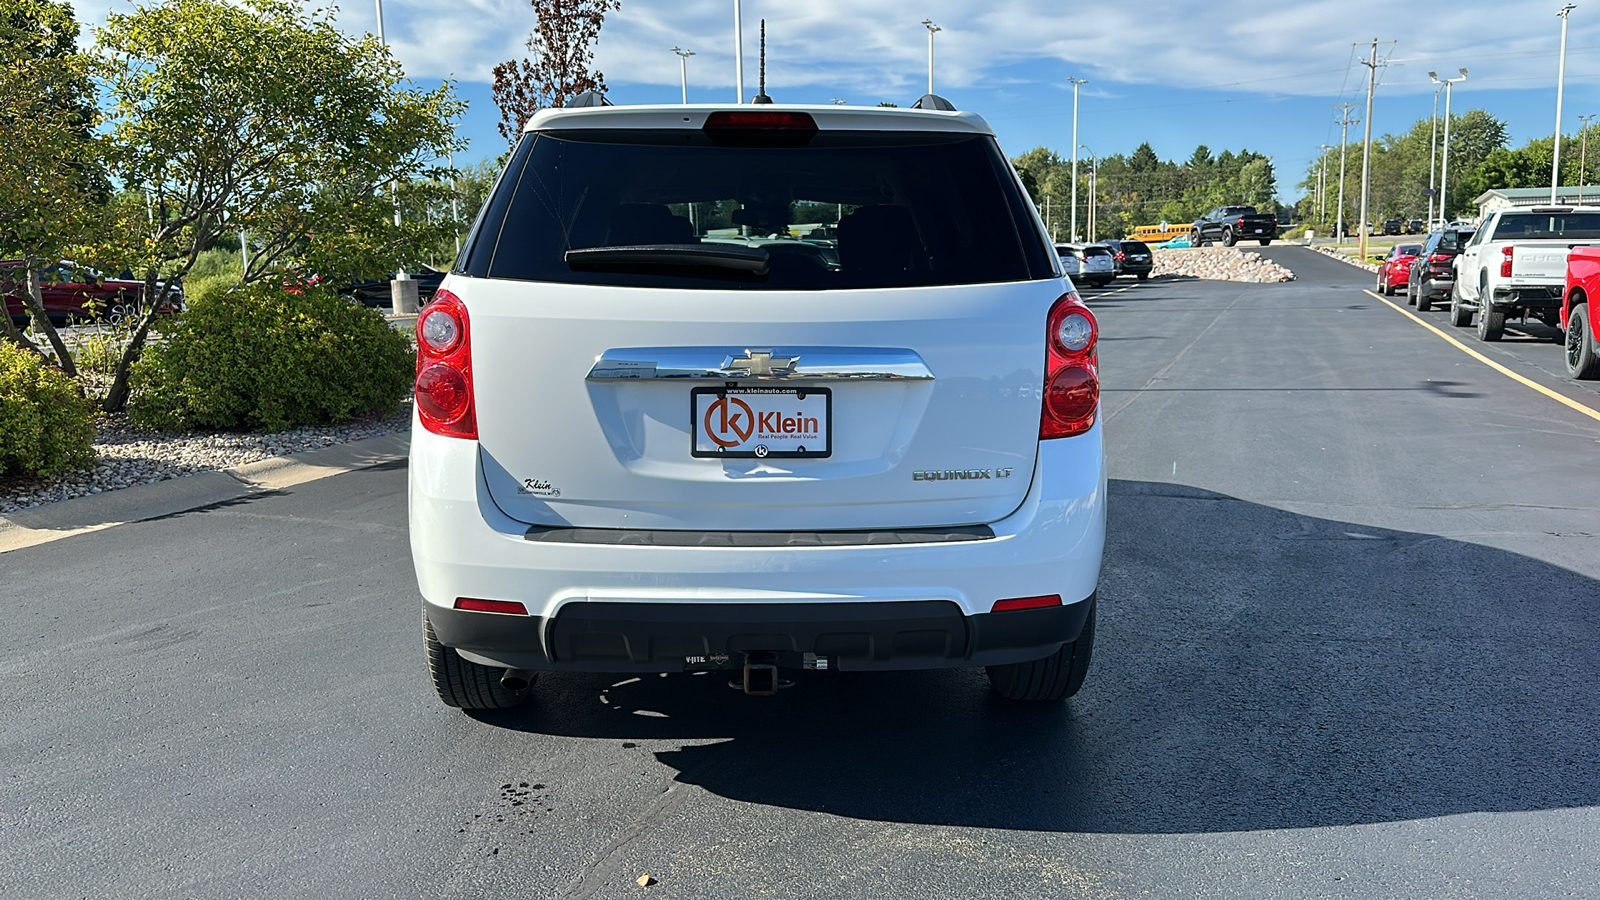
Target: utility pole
[738, 54]
[1094, 179]
[1444, 163]
[928, 24]
[1561, 78]
[683, 69]
[1366, 144]
[1345, 121]
[1583, 156]
[1072, 231]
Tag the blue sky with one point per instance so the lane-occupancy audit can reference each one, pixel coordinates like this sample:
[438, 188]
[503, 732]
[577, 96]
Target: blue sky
[1228, 74]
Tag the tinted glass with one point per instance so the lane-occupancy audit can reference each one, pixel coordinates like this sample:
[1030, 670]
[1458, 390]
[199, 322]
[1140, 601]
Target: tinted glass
[1135, 247]
[847, 210]
[1555, 226]
[1096, 251]
[1453, 241]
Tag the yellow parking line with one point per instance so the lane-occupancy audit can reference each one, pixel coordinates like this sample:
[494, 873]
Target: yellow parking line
[1559, 398]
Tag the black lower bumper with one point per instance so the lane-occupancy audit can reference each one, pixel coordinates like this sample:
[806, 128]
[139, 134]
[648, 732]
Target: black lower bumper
[1538, 298]
[672, 637]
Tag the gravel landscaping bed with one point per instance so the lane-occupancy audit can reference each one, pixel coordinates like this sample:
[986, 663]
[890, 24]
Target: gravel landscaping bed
[1220, 264]
[127, 455]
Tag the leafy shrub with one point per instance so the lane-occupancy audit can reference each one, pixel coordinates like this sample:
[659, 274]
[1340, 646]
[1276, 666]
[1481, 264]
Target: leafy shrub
[46, 425]
[261, 357]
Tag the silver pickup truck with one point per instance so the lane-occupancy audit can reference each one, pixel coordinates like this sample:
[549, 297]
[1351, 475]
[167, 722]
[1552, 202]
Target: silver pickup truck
[1515, 266]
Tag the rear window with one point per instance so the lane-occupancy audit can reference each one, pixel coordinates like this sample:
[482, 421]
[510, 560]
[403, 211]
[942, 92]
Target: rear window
[1135, 247]
[1452, 241]
[846, 210]
[1553, 226]
[1096, 251]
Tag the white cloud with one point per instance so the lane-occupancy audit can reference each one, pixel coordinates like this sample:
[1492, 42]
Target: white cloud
[873, 48]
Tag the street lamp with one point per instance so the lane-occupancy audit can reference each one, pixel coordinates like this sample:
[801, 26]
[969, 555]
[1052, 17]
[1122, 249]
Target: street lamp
[1561, 78]
[1094, 182]
[1444, 162]
[1072, 231]
[683, 69]
[928, 24]
[1433, 153]
[394, 189]
[1322, 183]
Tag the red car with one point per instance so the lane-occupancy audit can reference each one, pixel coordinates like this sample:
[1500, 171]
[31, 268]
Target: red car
[1395, 269]
[73, 293]
[1578, 311]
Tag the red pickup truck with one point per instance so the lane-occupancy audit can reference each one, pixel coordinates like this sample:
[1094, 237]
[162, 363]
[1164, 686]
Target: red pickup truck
[1578, 312]
[73, 293]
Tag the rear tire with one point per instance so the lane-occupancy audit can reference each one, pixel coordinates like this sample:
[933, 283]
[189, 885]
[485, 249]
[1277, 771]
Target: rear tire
[1411, 294]
[1460, 316]
[1143, 275]
[463, 684]
[1583, 362]
[1266, 241]
[1491, 324]
[1228, 240]
[1056, 677]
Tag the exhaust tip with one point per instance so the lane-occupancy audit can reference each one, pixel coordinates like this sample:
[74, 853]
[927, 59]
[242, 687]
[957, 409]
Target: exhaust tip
[516, 679]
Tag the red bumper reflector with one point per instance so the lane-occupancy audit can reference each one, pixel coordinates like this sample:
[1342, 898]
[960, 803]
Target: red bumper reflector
[1026, 603]
[509, 607]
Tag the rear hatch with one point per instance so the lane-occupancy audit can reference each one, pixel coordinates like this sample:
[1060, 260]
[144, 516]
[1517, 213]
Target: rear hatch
[829, 330]
[1539, 241]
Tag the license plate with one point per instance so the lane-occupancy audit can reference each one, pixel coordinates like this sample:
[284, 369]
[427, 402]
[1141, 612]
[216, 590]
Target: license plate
[761, 422]
[1263, 230]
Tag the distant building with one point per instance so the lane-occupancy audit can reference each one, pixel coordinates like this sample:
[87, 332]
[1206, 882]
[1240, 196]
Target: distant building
[1508, 198]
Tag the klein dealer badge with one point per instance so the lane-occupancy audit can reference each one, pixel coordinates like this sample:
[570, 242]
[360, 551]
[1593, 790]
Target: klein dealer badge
[761, 422]
[538, 487]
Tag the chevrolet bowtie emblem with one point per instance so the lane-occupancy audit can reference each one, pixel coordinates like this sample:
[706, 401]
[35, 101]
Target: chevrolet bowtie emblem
[760, 362]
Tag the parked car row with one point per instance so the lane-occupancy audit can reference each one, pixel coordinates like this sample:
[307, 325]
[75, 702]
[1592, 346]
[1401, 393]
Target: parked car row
[1098, 264]
[1541, 263]
[73, 293]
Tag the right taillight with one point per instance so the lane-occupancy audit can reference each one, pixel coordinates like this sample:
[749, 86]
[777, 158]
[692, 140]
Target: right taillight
[1071, 380]
[1437, 258]
[444, 368]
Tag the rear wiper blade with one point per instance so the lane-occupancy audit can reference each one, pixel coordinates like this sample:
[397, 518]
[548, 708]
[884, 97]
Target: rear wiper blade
[715, 256]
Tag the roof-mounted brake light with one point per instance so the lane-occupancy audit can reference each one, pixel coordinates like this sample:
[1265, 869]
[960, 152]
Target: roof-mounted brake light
[792, 122]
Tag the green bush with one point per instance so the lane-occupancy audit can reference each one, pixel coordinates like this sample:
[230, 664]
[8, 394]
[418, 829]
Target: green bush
[46, 425]
[264, 358]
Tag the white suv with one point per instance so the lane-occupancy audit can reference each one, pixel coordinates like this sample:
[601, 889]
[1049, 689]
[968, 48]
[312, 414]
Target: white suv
[762, 388]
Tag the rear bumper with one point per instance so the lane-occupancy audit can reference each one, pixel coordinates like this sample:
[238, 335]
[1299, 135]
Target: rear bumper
[672, 637]
[628, 607]
[1537, 297]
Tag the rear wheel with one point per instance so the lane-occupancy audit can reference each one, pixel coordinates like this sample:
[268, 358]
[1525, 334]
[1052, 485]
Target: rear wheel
[1266, 241]
[1411, 294]
[1424, 302]
[1056, 677]
[463, 684]
[1228, 239]
[1582, 360]
[1143, 275]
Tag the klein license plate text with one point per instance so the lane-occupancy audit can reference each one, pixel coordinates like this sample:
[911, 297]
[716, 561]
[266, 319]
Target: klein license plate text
[761, 422]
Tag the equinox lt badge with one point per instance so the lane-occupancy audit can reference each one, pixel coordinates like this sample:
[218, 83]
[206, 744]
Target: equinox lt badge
[959, 474]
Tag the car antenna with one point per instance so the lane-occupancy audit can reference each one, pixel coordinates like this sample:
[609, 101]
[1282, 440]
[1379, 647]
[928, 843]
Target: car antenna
[762, 96]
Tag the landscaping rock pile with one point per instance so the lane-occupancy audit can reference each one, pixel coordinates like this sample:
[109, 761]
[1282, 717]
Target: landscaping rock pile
[126, 455]
[1220, 264]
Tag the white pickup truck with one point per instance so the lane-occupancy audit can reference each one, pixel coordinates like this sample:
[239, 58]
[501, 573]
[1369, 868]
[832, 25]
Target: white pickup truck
[1515, 266]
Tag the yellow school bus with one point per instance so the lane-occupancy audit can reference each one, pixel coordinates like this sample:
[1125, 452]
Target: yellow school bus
[1155, 234]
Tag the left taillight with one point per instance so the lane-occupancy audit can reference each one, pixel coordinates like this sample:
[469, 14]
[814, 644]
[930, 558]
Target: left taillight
[1071, 377]
[444, 368]
[1505, 264]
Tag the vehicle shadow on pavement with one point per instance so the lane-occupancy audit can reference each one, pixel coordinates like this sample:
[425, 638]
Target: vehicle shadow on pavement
[1254, 669]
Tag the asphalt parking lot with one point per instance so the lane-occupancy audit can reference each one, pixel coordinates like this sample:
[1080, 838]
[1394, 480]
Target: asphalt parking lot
[1347, 648]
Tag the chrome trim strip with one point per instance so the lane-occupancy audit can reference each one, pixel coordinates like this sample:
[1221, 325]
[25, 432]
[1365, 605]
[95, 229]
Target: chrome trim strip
[760, 364]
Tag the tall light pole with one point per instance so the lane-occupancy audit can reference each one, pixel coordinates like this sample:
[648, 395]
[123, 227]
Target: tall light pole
[1072, 230]
[1583, 155]
[683, 69]
[738, 54]
[1366, 144]
[1444, 162]
[1094, 178]
[394, 189]
[1344, 143]
[932, 28]
[1433, 151]
[1561, 78]
[381, 39]
[1322, 183]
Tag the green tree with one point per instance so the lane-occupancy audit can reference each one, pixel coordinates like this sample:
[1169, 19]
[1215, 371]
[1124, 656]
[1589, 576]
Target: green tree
[49, 178]
[260, 116]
